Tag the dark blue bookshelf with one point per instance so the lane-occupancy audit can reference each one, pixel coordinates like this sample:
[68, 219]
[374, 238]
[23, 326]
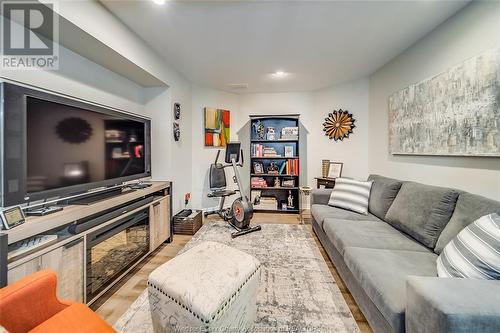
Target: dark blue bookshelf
[278, 122]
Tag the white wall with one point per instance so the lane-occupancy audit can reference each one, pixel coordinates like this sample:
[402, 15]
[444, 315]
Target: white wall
[471, 31]
[203, 156]
[170, 158]
[312, 107]
[353, 152]
[81, 78]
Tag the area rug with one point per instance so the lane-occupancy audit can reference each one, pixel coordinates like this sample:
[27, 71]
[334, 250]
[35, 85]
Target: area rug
[297, 292]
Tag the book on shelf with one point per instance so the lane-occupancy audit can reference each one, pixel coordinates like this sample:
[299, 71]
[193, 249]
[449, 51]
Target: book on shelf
[267, 203]
[259, 150]
[292, 167]
[258, 182]
[270, 152]
[282, 168]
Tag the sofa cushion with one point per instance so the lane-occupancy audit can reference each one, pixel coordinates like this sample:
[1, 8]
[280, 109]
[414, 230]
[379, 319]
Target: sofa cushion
[321, 212]
[366, 234]
[383, 274]
[469, 208]
[422, 211]
[351, 194]
[384, 191]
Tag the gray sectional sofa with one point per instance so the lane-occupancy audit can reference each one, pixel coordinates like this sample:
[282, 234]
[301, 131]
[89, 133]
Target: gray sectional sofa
[388, 257]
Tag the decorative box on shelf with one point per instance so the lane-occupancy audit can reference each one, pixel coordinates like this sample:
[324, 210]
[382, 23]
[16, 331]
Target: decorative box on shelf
[188, 225]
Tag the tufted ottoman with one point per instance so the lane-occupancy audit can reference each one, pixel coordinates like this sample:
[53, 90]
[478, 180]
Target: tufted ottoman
[209, 288]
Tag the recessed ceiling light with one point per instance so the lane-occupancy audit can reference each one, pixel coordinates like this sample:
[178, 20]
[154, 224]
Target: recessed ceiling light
[159, 2]
[279, 74]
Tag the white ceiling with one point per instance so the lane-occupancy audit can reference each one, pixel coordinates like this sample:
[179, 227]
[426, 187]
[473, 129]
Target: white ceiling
[319, 43]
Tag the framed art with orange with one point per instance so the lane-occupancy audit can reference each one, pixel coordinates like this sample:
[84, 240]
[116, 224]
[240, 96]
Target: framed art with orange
[217, 127]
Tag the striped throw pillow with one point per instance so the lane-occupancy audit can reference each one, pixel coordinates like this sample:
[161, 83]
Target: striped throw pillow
[474, 252]
[351, 194]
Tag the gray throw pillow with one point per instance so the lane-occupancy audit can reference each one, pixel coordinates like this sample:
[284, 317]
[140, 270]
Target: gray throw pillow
[469, 208]
[384, 191]
[422, 211]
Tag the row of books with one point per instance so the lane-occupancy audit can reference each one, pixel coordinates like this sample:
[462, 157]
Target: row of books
[258, 182]
[290, 167]
[267, 203]
[259, 150]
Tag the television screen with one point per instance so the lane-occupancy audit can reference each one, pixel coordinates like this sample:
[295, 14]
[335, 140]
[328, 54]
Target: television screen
[67, 145]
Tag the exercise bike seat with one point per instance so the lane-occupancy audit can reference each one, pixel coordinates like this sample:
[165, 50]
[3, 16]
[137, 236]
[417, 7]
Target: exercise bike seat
[220, 193]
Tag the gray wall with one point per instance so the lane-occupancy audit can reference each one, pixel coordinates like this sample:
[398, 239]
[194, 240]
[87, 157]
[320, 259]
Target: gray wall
[470, 32]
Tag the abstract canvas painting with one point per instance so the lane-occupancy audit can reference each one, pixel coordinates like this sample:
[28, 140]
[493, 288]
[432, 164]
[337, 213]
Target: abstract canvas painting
[217, 127]
[454, 113]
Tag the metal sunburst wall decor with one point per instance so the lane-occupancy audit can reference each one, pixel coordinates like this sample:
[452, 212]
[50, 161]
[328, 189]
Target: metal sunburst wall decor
[339, 125]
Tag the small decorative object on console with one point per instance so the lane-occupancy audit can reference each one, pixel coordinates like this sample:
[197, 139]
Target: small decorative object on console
[12, 217]
[338, 125]
[42, 211]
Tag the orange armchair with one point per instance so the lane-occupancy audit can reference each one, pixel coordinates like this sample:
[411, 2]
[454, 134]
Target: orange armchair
[31, 305]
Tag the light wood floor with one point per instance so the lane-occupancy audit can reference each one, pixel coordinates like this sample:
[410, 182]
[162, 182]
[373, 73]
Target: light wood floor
[116, 301]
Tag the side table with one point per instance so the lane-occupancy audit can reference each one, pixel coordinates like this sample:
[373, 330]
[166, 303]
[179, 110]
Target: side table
[326, 182]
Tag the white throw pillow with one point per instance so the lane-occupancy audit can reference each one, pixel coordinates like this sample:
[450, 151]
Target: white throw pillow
[351, 194]
[474, 252]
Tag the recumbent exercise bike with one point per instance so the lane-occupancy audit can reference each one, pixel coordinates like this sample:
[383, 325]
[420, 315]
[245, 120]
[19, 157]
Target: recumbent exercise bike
[241, 211]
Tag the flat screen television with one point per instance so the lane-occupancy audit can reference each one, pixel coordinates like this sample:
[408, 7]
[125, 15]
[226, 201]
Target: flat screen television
[55, 146]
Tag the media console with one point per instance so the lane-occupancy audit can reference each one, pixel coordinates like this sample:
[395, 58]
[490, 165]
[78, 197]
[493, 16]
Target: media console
[93, 246]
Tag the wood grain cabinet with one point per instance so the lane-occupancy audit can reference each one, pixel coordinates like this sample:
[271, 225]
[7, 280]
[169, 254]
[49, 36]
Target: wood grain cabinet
[159, 222]
[66, 261]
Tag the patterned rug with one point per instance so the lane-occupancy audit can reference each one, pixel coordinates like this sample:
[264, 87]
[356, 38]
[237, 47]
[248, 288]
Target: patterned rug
[297, 291]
